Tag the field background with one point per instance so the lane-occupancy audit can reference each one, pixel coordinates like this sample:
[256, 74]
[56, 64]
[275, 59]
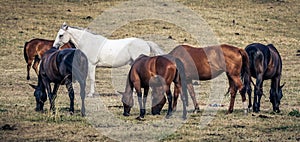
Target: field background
[265, 21]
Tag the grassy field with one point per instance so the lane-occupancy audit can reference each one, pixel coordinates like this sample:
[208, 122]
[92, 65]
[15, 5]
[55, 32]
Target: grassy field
[237, 23]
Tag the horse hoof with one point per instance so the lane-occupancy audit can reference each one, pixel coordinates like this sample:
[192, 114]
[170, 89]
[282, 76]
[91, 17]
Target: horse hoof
[140, 118]
[168, 116]
[126, 114]
[90, 95]
[28, 78]
[245, 112]
[196, 110]
[71, 113]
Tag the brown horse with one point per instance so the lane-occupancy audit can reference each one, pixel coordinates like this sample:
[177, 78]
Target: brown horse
[208, 63]
[35, 49]
[154, 72]
[61, 67]
[265, 63]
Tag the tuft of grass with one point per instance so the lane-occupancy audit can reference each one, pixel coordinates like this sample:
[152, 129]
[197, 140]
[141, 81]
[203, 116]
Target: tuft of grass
[294, 112]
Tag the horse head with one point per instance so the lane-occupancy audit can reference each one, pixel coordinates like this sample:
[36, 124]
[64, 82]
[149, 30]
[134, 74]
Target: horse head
[64, 36]
[40, 97]
[127, 100]
[275, 98]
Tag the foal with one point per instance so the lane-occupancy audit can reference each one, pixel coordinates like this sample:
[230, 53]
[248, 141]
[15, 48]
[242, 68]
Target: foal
[61, 67]
[154, 72]
[35, 49]
[265, 63]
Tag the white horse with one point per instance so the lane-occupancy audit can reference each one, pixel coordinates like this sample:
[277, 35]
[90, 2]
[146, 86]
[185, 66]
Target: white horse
[103, 52]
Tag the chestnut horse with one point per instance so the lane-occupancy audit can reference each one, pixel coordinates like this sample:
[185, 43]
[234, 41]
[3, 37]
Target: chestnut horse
[209, 62]
[155, 72]
[35, 49]
[265, 63]
[61, 67]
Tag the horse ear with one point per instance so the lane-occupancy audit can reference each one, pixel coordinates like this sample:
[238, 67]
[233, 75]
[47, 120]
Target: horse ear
[282, 85]
[64, 26]
[33, 86]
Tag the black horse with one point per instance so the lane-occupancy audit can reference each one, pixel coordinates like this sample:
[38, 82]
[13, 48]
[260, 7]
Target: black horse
[61, 67]
[265, 64]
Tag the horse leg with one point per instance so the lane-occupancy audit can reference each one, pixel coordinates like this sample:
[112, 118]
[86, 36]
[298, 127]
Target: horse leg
[169, 96]
[146, 90]
[232, 90]
[91, 73]
[176, 94]
[274, 92]
[29, 63]
[50, 95]
[82, 95]
[258, 93]
[36, 64]
[54, 94]
[192, 94]
[177, 91]
[142, 110]
[71, 95]
[236, 84]
[249, 92]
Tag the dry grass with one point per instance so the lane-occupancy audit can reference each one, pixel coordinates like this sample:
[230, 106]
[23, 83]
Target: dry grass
[265, 21]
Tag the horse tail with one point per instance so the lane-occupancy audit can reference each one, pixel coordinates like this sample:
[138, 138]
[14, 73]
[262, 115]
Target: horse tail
[181, 70]
[154, 48]
[25, 52]
[80, 65]
[245, 72]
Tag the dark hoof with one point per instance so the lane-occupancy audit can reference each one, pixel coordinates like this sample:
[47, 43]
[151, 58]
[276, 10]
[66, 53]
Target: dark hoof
[277, 111]
[184, 117]
[197, 110]
[140, 118]
[155, 113]
[126, 114]
[28, 78]
[71, 113]
[168, 116]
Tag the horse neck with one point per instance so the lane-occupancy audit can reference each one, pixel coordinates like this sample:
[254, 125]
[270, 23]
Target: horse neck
[78, 34]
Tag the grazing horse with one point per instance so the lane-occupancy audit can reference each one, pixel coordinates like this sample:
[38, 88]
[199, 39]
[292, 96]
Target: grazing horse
[209, 62]
[265, 63]
[35, 49]
[155, 72]
[103, 52]
[61, 67]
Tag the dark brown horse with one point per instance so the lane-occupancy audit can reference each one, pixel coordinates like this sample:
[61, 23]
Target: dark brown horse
[61, 67]
[209, 62]
[155, 72]
[265, 63]
[35, 49]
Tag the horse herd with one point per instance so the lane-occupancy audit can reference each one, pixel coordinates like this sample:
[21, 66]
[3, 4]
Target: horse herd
[75, 53]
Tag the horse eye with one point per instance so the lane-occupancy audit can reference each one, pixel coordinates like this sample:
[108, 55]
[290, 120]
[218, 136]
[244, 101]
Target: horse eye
[60, 36]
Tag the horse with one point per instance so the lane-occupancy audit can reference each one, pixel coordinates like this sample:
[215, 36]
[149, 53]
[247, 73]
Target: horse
[155, 72]
[61, 67]
[103, 52]
[265, 64]
[209, 62]
[35, 49]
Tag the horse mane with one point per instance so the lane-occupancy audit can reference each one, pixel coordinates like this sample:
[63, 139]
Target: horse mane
[83, 29]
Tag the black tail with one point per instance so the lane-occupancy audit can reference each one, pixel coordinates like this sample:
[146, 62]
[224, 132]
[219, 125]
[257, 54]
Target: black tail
[181, 70]
[25, 53]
